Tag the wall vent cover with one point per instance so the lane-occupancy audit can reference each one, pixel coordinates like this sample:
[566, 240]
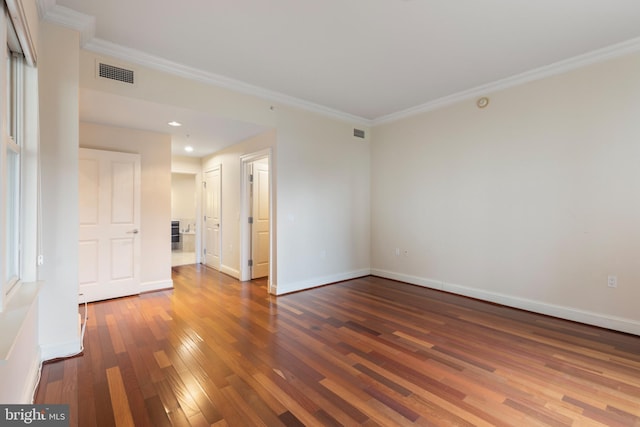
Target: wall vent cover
[115, 73]
[359, 133]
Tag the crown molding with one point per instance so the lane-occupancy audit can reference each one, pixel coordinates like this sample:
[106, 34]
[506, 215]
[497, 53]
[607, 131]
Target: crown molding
[68, 18]
[144, 59]
[85, 24]
[593, 57]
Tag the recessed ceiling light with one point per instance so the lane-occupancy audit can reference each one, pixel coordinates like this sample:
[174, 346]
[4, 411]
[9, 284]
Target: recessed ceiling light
[174, 123]
[188, 149]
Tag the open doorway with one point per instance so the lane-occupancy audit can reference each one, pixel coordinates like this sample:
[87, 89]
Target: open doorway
[183, 218]
[257, 215]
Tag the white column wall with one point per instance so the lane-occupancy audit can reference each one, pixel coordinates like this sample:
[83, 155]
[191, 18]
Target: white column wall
[58, 65]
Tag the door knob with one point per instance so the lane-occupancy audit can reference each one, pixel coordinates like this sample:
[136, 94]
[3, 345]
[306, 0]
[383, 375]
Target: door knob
[135, 231]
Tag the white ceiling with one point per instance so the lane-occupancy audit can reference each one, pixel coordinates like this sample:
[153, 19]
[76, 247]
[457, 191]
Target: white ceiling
[364, 59]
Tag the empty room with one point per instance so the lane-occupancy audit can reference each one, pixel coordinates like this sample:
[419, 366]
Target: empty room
[387, 212]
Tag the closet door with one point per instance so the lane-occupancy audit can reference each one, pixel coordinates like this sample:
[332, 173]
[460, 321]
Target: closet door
[109, 224]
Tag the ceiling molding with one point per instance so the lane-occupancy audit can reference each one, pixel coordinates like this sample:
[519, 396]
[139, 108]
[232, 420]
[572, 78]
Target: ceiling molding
[141, 58]
[600, 55]
[85, 24]
[68, 18]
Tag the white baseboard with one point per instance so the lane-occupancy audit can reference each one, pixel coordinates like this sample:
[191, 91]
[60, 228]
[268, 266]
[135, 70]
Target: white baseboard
[563, 312]
[156, 286]
[286, 288]
[414, 280]
[230, 271]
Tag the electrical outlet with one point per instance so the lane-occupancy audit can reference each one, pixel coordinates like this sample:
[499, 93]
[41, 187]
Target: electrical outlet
[612, 281]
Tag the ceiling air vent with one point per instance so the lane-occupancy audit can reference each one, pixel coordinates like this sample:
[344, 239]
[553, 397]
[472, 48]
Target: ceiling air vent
[115, 73]
[358, 133]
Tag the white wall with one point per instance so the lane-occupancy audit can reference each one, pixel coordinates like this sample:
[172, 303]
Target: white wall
[58, 65]
[323, 186]
[155, 216]
[532, 201]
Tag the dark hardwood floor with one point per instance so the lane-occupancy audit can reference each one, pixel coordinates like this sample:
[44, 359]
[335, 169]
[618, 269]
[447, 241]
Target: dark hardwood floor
[371, 352]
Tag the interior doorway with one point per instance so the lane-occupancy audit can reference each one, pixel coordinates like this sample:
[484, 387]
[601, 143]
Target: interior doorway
[183, 218]
[256, 231]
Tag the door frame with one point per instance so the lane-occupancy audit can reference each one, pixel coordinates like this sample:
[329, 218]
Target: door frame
[245, 231]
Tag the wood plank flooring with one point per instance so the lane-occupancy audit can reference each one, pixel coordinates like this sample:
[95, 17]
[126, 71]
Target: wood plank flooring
[370, 352]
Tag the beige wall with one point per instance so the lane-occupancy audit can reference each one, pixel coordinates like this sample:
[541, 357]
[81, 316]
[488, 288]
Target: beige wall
[155, 225]
[323, 201]
[183, 164]
[531, 201]
[183, 197]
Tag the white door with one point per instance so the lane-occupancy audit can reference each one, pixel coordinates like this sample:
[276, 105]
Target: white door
[212, 192]
[260, 226]
[109, 195]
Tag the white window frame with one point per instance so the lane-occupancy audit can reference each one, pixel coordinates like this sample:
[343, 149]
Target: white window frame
[18, 135]
[13, 173]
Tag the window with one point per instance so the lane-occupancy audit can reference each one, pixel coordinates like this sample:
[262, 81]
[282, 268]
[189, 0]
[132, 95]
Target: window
[12, 175]
[11, 159]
